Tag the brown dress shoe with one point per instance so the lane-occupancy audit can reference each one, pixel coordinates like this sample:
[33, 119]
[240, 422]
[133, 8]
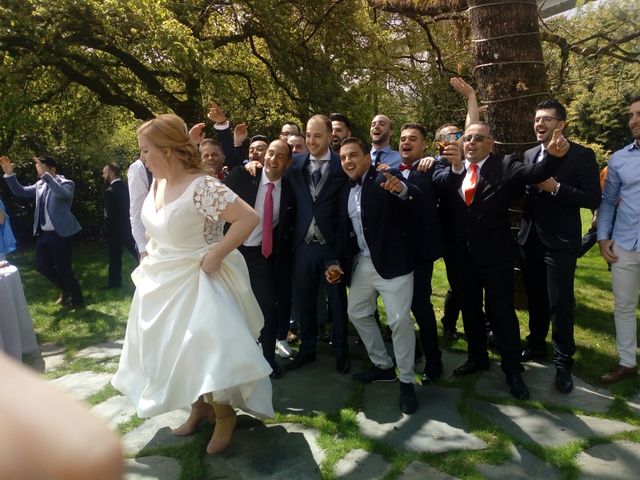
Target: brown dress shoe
[618, 374]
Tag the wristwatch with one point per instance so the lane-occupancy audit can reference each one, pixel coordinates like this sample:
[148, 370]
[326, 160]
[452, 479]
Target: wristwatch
[555, 189]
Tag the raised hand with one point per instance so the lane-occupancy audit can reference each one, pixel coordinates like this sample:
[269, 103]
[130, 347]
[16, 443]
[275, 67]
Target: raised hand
[252, 167]
[462, 87]
[452, 153]
[558, 146]
[197, 133]
[7, 166]
[240, 134]
[425, 164]
[216, 114]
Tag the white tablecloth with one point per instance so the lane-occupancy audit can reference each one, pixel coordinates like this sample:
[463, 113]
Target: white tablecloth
[16, 327]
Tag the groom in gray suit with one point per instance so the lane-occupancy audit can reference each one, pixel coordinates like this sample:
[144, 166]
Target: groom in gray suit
[53, 224]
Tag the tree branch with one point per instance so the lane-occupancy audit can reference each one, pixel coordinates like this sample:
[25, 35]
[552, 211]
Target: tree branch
[429, 8]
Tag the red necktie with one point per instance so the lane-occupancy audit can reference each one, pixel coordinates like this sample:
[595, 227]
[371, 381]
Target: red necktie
[404, 167]
[469, 188]
[267, 222]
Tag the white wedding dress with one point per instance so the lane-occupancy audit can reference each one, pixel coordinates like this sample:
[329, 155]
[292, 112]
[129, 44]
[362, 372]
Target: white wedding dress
[190, 333]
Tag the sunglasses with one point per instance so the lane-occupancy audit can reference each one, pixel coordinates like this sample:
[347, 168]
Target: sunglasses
[449, 137]
[475, 138]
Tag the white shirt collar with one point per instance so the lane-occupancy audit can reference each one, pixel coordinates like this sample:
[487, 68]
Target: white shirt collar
[480, 163]
[264, 180]
[326, 156]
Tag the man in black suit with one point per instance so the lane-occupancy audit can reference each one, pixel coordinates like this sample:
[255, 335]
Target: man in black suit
[117, 227]
[316, 179]
[480, 246]
[428, 246]
[267, 251]
[373, 248]
[550, 236]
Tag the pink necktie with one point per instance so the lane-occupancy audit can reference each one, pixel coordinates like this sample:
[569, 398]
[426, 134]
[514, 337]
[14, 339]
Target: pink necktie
[267, 222]
[469, 188]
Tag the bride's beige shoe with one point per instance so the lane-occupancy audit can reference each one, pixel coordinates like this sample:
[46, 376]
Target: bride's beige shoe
[225, 425]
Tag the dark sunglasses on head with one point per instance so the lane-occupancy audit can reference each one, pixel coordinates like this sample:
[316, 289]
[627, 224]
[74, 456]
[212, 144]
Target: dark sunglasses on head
[448, 137]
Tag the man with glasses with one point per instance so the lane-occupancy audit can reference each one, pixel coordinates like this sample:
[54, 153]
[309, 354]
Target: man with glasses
[288, 129]
[550, 236]
[479, 191]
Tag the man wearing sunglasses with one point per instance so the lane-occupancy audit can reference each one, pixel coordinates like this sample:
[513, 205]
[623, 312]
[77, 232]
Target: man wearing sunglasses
[550, 236]
[479, 191]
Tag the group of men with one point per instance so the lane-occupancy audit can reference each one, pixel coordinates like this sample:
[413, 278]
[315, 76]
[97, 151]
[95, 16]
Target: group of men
[337, 214]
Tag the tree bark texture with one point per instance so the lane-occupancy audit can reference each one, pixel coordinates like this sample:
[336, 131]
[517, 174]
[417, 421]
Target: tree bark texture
[509, 68]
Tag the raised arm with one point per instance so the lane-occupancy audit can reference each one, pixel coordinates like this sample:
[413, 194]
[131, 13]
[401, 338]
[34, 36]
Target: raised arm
[59, 188]
[467, 91]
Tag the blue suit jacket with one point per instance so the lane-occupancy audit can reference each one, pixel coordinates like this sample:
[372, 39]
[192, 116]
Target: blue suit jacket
[58, 205]
[324, 208]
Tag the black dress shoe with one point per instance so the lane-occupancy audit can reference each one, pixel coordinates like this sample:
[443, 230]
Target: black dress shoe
[564, 382]
[343, 364]
[517, 386]
[408, 399]
[530, 353]
[300, 360]
[432, 371]
[471, 366]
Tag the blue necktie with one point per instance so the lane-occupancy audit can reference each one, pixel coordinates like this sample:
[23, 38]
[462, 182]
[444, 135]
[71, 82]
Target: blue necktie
[316, 176]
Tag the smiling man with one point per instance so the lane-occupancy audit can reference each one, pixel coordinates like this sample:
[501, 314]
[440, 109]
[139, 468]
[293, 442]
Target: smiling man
[480, 246]
[267, 251]
[381, 152]
[550, 236]
[373, 234]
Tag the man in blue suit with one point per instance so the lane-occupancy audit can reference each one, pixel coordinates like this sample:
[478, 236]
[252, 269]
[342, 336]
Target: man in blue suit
[316, 178]
[53, 224]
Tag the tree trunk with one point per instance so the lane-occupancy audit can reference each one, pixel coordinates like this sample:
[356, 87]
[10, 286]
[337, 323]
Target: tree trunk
[509, 68]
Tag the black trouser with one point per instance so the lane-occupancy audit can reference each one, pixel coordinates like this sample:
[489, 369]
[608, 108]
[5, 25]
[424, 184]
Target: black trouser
[116, 245]
[496, 282]
[310, 263]
[549, 276]
[422, 310]
[53, 260]
[263, 283]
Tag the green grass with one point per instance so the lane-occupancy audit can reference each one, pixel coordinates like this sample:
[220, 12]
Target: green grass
[104, 319]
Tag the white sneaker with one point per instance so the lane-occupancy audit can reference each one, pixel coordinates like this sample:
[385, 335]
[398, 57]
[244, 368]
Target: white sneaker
[283, 349]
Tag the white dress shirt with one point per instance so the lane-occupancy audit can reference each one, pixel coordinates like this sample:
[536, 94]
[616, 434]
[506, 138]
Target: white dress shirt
[255, 239]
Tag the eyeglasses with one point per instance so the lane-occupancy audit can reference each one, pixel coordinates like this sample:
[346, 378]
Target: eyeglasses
[475, 138]
[453, 136]
[544, 119]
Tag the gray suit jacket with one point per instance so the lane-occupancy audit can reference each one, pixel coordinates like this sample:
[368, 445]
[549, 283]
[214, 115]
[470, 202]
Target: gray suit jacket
[58, 204]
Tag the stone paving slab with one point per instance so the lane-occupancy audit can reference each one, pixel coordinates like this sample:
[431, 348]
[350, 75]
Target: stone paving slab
[612, 461]
[152, 468]
[540, 379]
[102, 350]
[115, 410]
[435, 428]
[634, 403]
[82, 385]
[53, 355]
[298, 390]
[420, 471]
[546, 428]
[156, 432]
[359, 464]
[522, 466]
[267, 452]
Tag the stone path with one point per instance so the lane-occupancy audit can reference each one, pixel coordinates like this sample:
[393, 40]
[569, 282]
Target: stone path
[441, 426]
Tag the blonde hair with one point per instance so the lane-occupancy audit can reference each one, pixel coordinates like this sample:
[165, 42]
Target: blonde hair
[170, 131]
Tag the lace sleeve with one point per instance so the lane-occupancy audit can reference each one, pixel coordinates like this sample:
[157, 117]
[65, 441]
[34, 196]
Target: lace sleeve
[211, 197]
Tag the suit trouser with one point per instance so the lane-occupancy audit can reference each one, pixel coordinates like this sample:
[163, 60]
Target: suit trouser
[263, 284]
[396, 294]
[451, 305]
[496, 281]
[422, 310]
[53, 260]
[310, 263]
[115, 245]
[548, 276]
[625, 282]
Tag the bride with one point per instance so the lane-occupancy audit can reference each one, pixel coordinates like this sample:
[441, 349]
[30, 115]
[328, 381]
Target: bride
[193, 324]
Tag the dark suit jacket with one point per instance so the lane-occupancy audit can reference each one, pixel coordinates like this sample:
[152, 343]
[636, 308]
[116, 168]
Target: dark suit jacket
[387, 226]
[429, 242]
[482, 229]
[246, 186]
[116, 210]
[324, 207]
[233, 156]
[557, 218]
